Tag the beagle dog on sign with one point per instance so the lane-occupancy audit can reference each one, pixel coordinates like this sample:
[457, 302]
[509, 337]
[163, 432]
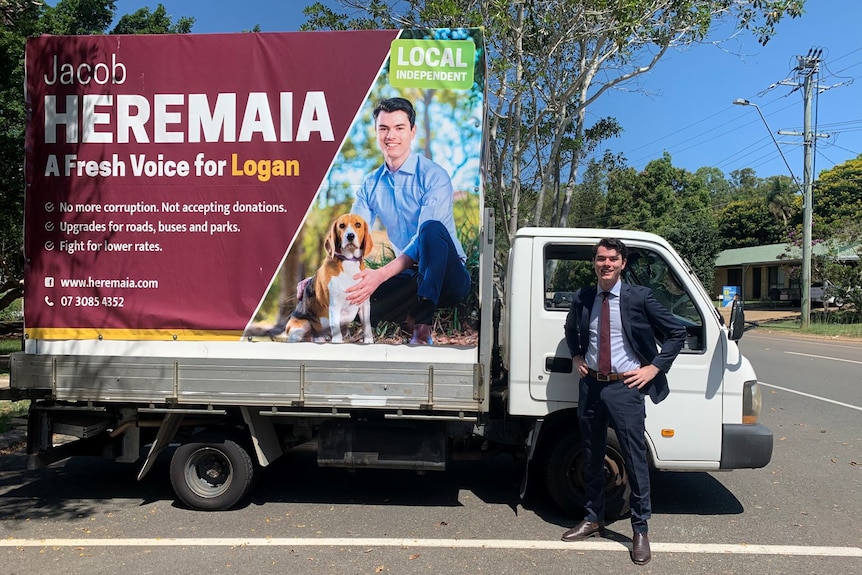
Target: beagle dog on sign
[323, 309]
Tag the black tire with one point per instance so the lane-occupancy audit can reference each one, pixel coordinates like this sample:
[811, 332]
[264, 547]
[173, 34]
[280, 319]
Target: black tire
[564, 477]
[212, 473]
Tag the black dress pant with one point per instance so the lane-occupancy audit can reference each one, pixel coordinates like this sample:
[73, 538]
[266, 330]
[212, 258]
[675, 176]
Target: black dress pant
[614, 404]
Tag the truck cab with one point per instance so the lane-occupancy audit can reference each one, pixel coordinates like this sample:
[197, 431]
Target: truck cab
[709, 420]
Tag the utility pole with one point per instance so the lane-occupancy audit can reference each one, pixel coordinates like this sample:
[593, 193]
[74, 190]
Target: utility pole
[807, 71]
[808, 66]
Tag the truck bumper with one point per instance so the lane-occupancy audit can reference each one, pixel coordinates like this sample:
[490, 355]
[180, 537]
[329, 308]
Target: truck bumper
[745, 446]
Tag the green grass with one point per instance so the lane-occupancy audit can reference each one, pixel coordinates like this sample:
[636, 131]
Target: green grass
[7, 346]
[10, 410]
[13, 312]
[853, 330]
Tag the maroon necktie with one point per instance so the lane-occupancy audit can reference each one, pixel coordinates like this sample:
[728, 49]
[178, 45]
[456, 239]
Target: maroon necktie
[605, 335]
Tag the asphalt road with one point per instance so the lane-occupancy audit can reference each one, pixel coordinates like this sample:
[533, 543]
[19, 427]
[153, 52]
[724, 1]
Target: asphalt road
[798, 515]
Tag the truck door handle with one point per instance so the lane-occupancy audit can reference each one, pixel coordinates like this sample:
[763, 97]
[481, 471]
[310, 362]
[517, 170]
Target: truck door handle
[558, 364]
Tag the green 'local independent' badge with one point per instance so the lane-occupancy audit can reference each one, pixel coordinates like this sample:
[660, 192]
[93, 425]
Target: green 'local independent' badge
[432, 64]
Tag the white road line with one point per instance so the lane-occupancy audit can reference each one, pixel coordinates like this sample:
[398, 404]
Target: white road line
[809, 341]
[738, 549]
[823, 357]
[827, 400]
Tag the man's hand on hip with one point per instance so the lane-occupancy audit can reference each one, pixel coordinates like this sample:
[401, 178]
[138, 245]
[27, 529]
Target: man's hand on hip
[580, 365]
[640, 377]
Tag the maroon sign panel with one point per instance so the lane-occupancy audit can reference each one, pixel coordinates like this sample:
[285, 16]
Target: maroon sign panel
[167, 176]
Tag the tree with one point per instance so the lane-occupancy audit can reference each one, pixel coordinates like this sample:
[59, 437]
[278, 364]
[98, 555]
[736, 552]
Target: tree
[671, 202]
[716, 184]
[837, 208]
[757, 211]
[549, 60]
[746, 223]
[557, 58]
[156, 22]
[20, 20]
[322, 17]
[627, 201]
[589, 203]
[695, 236]
[657, 196]
[781, 199]
[837, 197]
[744, 183]
[78, 17]
[845, 278]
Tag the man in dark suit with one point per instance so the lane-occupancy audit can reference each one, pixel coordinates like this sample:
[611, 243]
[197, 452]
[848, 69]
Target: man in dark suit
[611, 331]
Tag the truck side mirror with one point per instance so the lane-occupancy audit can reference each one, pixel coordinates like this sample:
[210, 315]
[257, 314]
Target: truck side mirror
[737, 320]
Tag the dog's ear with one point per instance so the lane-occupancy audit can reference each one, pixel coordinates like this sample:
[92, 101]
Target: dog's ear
[330, 244]
[367, 242]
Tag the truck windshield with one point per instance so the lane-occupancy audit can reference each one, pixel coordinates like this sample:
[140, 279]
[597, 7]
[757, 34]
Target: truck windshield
[569, 267]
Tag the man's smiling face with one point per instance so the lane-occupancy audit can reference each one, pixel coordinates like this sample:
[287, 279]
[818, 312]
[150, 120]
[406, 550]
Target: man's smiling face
[394, 136]
[609, 265]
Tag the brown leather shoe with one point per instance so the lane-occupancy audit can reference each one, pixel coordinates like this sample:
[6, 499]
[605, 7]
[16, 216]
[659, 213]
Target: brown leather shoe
[421, 335]
[583, 530]
[640, 549]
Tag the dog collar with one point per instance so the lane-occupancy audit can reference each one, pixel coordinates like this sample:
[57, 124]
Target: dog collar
[341, 257]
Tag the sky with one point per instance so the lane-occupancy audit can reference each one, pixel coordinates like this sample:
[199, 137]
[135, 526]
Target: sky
[684, 105]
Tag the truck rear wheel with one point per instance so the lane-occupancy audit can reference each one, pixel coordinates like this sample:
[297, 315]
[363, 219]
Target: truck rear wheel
[564, 476]
[212, 473]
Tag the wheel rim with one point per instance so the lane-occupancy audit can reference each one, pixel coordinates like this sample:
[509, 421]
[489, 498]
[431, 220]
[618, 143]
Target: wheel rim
[614, 474]
[615, 481]
[208, 472]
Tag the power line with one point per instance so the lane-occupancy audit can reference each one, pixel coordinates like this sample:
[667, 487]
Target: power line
[699, 133]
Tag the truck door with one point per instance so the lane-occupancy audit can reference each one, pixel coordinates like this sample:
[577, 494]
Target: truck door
[687, 425]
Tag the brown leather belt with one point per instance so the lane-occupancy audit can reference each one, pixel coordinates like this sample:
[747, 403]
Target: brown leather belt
[602, 377]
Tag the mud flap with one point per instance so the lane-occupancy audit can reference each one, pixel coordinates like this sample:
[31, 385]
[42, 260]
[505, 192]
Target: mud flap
[166, 433]
[263, 437]
[532, 440]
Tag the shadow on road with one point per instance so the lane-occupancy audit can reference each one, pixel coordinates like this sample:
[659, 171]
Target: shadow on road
[692, 493]
[76, 487]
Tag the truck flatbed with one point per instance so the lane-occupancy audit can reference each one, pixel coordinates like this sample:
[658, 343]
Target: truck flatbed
[396, 380]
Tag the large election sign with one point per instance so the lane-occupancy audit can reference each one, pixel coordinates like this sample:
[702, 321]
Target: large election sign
[180, 186]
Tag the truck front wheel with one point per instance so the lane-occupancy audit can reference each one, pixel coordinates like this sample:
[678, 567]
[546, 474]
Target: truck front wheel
[564, 476]
[212, 473]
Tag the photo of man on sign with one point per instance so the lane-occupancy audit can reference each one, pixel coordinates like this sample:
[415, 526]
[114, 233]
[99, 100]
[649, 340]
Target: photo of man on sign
[422, 207]
[412, 196]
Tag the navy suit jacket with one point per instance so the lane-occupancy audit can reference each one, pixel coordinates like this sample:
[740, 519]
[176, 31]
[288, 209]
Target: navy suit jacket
[643, 319]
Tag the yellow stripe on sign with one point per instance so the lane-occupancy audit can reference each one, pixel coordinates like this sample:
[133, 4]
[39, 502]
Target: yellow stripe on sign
[62, 333]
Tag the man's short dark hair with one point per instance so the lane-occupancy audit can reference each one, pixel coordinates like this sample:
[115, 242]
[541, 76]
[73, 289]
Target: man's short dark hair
[396, 105]
[612, 244]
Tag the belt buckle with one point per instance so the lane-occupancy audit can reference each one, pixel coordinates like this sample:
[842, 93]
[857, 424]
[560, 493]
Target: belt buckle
[602, 377]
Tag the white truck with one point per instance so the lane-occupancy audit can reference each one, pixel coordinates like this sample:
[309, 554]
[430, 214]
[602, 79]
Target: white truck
[132, 366]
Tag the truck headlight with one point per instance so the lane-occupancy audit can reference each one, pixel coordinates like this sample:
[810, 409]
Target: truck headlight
[751, 402]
